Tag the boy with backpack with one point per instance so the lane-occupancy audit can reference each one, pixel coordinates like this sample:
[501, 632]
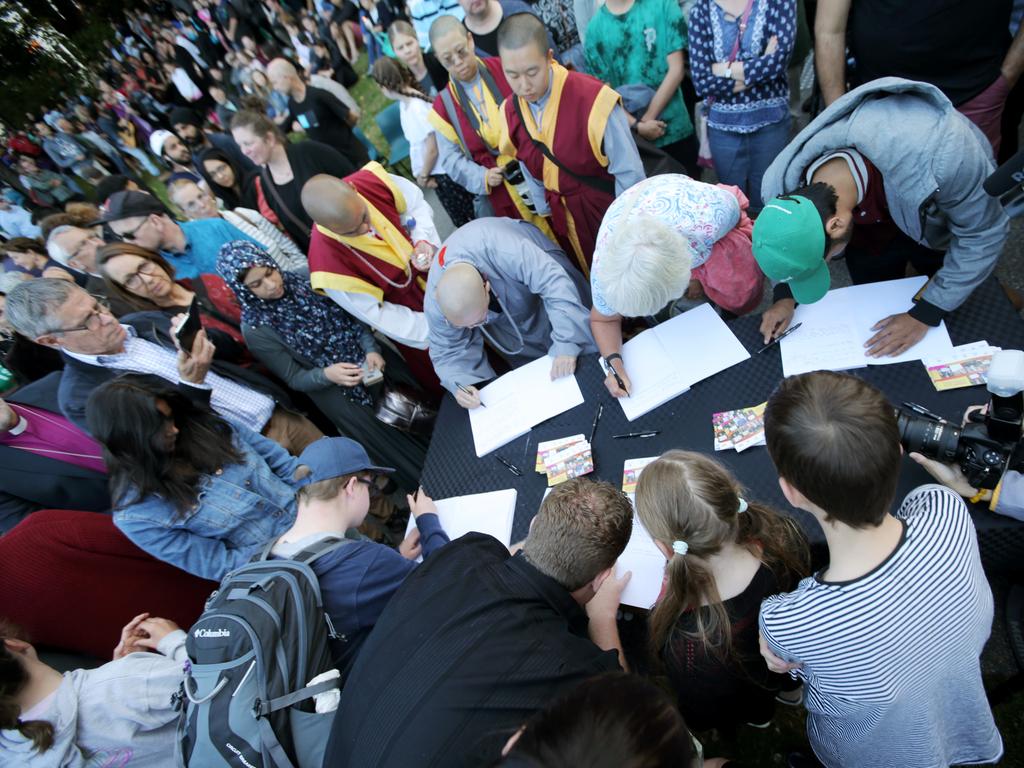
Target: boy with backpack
[357, 579]
[887, 638]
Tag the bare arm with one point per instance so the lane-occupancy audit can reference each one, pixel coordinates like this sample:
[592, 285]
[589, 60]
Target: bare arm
[668, 88]
[429, 154]
[1013, 64]
[830, 47]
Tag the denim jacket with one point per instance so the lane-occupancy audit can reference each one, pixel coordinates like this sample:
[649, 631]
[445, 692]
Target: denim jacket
[237, 509]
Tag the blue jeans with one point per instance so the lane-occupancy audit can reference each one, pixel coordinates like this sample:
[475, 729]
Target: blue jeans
[742, 158]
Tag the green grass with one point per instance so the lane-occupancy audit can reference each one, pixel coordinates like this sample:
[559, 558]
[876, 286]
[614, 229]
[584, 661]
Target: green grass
[371, 101]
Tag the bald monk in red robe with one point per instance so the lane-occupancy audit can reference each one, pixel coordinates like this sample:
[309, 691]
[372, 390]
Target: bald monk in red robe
[569, 133]
[372, 240]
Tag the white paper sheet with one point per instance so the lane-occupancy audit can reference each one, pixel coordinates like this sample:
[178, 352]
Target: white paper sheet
[665, 361]
[517, 401]
[491, 513]
[835, 329]
[641, 556]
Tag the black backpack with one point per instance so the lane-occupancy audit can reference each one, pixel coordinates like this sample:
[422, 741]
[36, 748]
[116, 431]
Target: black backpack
[263, 636]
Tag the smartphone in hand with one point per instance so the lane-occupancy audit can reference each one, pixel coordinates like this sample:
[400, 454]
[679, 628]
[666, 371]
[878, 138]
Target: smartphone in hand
[186, 332]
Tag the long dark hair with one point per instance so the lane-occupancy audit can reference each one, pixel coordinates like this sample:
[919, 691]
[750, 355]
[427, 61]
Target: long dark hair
[232, 197]
[13, 679]
[122, 415]
[686, 496]
[117, 291]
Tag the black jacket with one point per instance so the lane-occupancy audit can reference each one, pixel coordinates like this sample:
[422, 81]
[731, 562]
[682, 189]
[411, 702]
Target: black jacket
[29, 482]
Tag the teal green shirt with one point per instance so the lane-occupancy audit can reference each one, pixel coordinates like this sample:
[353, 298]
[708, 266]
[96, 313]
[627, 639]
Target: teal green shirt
[633, 48]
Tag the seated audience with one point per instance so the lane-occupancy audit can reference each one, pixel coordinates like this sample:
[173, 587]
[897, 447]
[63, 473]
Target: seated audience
[48, 187]
[26, 254]
[284, 169]
[15, 221]
[317, 112]
[614, 719]
[171, 150]
[96, 348]
[197, 203]
[191, 247]
[53, 548]
[123, 710]
[188, 126]
[669, 239]
[46, 462]
[374, 236]
[725, 556]
[316, 347]
[887, 638]
[398, 84]
[501, 284]
[890, 175]
[188, 487]
[74, 247]
[576, 190]
[224, 177]
[358, 579]
[144, 278]
[25, 360]
[486, 639]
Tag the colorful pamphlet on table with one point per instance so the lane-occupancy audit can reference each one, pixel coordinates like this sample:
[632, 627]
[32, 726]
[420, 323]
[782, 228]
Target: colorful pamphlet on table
[564, 459]
[739, 429]
[963, 366]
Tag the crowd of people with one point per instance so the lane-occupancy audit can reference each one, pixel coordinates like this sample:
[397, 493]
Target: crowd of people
[227, 321]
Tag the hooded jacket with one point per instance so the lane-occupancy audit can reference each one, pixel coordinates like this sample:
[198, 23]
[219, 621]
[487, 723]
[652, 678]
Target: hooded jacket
[933, 161]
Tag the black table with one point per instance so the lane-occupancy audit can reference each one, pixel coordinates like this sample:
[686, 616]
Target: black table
[453, 469]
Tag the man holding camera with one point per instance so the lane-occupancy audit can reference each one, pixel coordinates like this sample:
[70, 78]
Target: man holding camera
[887, 638]
[890, 175]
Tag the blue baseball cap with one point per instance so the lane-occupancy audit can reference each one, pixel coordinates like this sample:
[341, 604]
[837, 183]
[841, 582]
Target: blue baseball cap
[331, 457]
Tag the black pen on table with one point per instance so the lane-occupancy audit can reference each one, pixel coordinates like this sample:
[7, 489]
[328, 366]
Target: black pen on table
[597, 418]
[778, 338]
[510, 466]
[920, 409]
[463, 389]
[649, 433]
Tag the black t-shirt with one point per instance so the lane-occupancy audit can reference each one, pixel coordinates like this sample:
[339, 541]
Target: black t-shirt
[955, 45]
[324, 119]
[488, 43]
[473, 643]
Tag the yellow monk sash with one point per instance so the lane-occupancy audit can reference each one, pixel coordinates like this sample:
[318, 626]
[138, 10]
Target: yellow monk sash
[321, 282]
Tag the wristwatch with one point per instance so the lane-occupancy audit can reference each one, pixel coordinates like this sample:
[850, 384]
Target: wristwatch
[612, 356]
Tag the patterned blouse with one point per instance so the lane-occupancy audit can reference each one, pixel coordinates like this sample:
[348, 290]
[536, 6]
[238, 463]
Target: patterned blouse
[712, 37]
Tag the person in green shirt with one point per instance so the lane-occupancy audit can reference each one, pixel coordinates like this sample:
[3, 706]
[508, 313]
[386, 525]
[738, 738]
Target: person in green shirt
[630, 42]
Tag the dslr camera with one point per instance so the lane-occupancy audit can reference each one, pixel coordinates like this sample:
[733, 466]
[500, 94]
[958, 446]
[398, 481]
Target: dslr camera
[989, 443]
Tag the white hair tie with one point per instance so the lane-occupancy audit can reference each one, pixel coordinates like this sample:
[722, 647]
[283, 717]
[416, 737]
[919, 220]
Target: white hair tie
[680, 547]
[742, 507]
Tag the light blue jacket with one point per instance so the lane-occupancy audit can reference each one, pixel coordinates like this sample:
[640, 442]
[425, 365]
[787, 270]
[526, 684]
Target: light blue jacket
[933, 161]
[237, 510]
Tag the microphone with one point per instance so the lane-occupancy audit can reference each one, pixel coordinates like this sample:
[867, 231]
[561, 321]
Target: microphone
[1006, 177]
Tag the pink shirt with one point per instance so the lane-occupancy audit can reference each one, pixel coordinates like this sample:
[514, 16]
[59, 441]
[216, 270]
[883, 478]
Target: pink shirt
[51, 435]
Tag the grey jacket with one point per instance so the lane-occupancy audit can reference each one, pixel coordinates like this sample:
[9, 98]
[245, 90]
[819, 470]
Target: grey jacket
[543, 300]
[117, 714]
[933, 161]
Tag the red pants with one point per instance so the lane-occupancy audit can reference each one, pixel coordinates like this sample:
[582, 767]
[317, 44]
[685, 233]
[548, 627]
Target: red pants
[71, 580]
[986, 111]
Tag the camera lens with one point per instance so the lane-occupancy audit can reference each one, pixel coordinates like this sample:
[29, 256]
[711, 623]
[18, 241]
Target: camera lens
[934, 439]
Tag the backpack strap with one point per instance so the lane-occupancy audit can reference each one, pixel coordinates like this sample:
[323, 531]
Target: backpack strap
[488, 82]
[453, 118]
[313, 552]
[273, 705]
[601, 185]
[269, 183]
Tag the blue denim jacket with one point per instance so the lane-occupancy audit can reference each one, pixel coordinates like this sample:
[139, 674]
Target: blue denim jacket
[238, 509]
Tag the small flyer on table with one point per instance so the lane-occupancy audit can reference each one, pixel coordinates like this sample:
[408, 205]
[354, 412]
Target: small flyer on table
[739, 429]
[964, 366]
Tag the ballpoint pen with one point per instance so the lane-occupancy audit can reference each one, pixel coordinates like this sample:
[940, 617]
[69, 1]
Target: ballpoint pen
[920, 409]
[778, 338]
[597, 418]
[510, 466]
[463, 389]
[650, 433]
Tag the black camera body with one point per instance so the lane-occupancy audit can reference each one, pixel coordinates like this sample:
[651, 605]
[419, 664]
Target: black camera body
[983, 447]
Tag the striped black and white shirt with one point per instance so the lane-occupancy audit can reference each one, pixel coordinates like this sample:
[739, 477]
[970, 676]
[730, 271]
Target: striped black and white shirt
[891, 659]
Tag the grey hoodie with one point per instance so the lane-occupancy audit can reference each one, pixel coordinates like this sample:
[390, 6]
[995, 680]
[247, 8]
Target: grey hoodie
[119, 714]
[933, 161]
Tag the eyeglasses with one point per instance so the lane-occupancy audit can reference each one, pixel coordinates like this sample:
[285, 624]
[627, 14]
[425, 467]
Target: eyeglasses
[93, 321]
[456, 56]
[133, 282]
[131, 235]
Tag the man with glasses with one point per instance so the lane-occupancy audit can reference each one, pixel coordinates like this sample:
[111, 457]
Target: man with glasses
[75, 248]
[373, 238]
[191, 247]
[96, 348]
[503, 282]
[358, 579]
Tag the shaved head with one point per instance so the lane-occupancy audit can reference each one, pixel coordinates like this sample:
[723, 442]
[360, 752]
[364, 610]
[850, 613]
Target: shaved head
[444, 25]
[282, 74]
[334, 205]
[522, 29]
[462, 295]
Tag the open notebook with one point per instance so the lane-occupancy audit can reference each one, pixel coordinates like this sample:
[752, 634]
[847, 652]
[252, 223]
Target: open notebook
[491, 513]
[834, 330]
[665, 361]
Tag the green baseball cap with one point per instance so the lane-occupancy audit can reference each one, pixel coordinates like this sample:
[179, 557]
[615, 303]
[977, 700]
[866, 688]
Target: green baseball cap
[789, 246]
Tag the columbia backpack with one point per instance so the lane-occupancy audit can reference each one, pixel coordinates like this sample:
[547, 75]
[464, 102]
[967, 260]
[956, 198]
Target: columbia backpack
[246, 701]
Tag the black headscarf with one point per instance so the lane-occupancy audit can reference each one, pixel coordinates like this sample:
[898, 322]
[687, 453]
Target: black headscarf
[231, 197]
